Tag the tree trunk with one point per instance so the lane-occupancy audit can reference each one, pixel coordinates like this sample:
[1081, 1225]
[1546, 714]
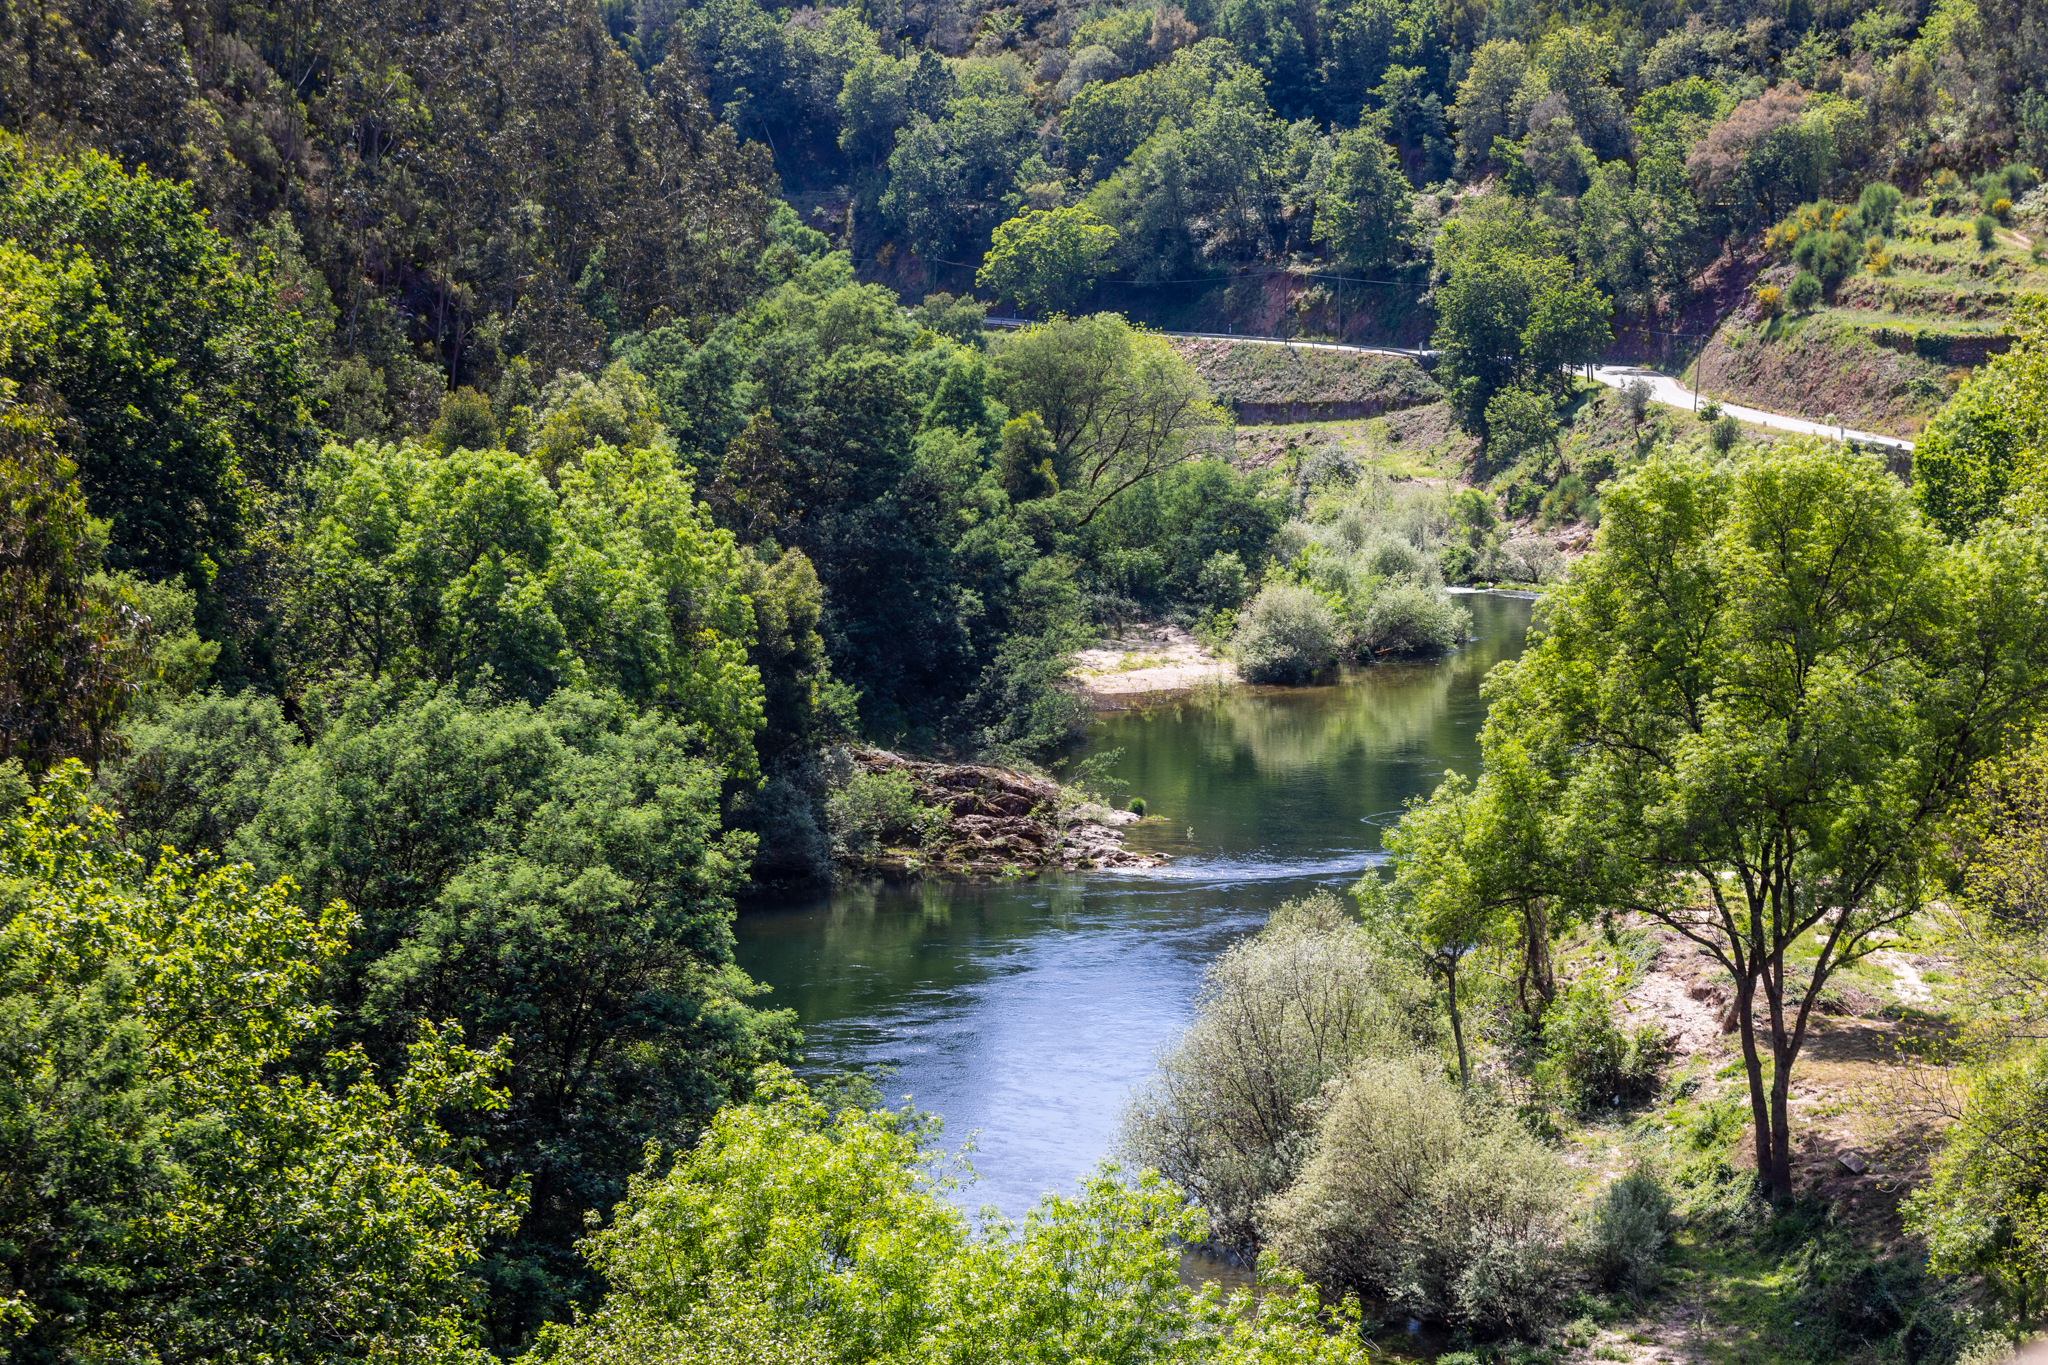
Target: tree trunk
[1752, 1064]
[1457, 1025]
[1781, 1124]
[1537, 973]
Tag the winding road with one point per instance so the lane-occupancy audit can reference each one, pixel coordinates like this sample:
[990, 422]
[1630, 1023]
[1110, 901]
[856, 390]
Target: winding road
[1663, 388]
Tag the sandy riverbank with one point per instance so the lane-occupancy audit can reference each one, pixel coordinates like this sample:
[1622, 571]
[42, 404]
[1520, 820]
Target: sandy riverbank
[1146, 661]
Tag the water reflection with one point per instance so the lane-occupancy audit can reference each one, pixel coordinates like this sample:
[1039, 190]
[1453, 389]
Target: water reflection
[1024, 1012]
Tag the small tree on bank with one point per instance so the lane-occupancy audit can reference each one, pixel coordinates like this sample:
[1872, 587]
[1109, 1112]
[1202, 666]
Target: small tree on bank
[1751, 708]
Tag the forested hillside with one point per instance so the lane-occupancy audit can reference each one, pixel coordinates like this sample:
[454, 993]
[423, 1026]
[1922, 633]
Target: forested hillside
[471, 474]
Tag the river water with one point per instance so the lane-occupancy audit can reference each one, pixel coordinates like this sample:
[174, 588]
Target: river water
[1024, 1013]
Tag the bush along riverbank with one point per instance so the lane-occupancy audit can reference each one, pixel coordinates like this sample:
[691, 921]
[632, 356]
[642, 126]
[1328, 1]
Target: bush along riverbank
[908, 817]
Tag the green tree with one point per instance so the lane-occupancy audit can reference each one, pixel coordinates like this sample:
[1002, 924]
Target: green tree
[471, 565]
[791, 1233]
[1752, 707]
[554, 879]
[1108, 121]
[1982, 1213]
[1639, 233]
[1484, 111]
[1991, 439]
[172, 1186]
[179, 374]
[1046, 259]
[72, 652]
[948, 176]
[1265, 36]
[1509, 309]
[1119, 406]
[1363, 211]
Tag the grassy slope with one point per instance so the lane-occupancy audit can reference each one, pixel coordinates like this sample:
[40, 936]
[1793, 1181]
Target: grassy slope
[1241, 372]
[1740, 1284]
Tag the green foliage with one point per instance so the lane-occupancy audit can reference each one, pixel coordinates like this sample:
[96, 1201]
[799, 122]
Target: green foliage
[1417, 1193]
[466, 423]
[472, 566]
[174, 1187]
[1363, 210]
[1230, 1117]
[877, 806]
[1509, 310]
[1986, 228]
[1590, 1062]
[1520, 423]
[1704, 721]
[1046, 259]
[1287, 635]
[553, 879]
[72, 650]
[794, 1234]
[1990, 440]
[179, 375]
[1627, 1232]
[1725, 435]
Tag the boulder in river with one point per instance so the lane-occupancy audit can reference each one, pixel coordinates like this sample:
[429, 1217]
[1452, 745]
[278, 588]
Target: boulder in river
[1000, 822]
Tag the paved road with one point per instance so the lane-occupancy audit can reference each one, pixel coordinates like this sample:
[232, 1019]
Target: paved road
[1665, 389]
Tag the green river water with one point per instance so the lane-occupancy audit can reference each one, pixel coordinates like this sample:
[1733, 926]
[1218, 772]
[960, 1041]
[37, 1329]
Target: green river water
[1024, 1013]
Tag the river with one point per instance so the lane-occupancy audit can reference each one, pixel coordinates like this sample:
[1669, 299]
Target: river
[1024, 1013]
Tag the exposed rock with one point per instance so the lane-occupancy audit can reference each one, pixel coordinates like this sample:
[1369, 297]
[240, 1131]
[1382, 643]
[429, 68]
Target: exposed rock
[1002, 823]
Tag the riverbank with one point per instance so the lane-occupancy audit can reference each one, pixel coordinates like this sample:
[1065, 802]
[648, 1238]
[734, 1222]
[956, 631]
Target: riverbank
[1146, 663]
[983, 821]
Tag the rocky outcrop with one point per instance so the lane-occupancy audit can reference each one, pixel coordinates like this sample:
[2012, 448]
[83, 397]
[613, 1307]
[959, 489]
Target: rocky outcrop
[999, 823]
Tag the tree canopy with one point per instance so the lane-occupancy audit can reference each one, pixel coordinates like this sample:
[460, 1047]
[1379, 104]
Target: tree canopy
[1751, 709]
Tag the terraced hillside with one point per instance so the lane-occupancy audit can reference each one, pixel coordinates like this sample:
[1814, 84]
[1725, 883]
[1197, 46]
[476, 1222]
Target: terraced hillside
[1900, 332]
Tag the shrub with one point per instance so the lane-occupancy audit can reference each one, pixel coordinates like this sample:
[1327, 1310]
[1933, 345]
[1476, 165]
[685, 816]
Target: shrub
[1636, 393]
[1568, 501]
[1414, 1193]
[1221, 582]
[1987, 231]
[1520, 421]
[1944, 191]
[1627, 1231]
[1287, 635]
[1804, 293]
[1457, 563]
[874, 806]
[1137, 806]
[1525, 559]
[1725, 435]
[2001, 209]
[1770, 300]
[1392, 557]
[1709, 411]
[1233, 1111]
[1877, 205]
[1589, 1061]
[1407, 618]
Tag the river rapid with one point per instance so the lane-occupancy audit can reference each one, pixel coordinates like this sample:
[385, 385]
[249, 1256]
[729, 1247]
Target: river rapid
[1024, 1013]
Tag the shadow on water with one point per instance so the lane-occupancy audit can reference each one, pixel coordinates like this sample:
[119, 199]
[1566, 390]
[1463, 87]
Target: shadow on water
[1025, 1012]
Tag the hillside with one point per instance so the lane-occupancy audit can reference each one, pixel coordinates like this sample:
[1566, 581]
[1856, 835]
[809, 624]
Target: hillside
[1901, 331]
[1265, 383]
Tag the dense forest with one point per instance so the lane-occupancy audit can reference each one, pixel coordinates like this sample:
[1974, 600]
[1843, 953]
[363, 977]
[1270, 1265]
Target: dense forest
[471, 474]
